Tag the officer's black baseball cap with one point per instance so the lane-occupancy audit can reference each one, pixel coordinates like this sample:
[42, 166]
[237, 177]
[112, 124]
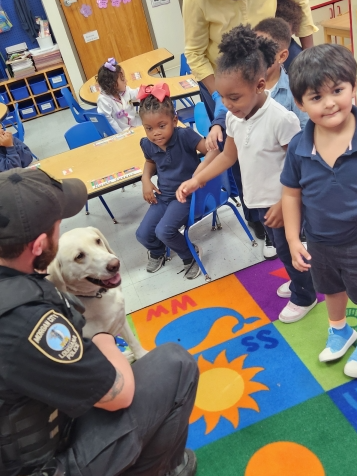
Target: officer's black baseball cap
[31, 202]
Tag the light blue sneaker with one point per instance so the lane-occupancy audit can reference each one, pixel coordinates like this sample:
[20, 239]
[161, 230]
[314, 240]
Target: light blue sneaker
[338, 343]
[351, 365]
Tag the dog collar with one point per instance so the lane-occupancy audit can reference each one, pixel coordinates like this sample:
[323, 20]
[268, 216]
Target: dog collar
[98, 294]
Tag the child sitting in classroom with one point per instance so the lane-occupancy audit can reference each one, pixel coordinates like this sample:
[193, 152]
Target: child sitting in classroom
[258, 132]
[115, 100]
[319, 178]
[13, 152]
[277, 81]
[171, 153]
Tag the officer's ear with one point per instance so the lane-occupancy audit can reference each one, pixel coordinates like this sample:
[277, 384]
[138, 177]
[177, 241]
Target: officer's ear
[55, 275]
[103, 238]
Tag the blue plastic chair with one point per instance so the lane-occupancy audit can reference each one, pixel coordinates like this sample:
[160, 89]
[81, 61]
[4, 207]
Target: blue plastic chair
[201, 119]
[18, 126]
[186, 115]
[82, 134]
[76, 109]
[207, 200]
[101, 123]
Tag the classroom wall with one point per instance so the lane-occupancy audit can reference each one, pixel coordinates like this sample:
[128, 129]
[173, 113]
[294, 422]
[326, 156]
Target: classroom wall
[17, 34]
[166, 22]
[65, 42]
[168, 28]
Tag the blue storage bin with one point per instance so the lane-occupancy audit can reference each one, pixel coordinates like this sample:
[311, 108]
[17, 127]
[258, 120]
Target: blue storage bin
[60, 99]
[38, 86]
[4, 97]
[27, 109]
[45, 105]
[20, 92]
[57, 80]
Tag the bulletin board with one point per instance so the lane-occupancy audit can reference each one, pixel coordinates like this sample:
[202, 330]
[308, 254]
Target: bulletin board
[17, 34]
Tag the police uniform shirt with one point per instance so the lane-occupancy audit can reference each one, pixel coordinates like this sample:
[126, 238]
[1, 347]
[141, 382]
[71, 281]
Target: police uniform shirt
[43, 357]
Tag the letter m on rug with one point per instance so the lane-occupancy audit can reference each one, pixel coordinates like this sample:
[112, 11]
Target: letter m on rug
[156, 312]
[185, 300]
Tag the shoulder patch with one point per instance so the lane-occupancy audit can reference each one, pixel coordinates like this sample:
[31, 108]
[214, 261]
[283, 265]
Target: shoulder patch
[56, 338]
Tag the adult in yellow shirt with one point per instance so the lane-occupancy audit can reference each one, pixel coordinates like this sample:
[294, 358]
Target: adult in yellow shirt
[206, 20]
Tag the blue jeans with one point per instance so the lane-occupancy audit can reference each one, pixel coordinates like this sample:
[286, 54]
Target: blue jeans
[301, 287]
[160, 227]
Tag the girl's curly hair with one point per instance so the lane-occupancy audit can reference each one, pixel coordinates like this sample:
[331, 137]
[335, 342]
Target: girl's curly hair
[108, 79]
[152, 105]
[242, 50]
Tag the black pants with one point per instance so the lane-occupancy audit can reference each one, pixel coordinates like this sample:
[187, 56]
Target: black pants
[149, 437]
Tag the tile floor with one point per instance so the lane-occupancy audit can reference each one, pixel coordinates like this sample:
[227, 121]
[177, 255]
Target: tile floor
[225, 251]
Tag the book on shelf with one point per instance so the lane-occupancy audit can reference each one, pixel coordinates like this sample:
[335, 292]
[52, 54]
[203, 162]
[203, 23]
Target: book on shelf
[45, 58]
[20, 64]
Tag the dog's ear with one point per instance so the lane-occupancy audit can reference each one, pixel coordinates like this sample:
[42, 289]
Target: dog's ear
[55, 275]
[103, 238]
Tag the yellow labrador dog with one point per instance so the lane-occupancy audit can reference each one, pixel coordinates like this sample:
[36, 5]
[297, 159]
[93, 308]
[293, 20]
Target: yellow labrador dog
[87, 267]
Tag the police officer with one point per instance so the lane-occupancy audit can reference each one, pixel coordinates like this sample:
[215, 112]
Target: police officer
[70, 405]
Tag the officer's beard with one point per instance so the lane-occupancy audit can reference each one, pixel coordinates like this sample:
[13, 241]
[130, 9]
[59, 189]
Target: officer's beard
[41, 262]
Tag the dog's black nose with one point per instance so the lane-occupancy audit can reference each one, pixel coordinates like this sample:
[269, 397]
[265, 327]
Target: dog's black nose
[113, 265]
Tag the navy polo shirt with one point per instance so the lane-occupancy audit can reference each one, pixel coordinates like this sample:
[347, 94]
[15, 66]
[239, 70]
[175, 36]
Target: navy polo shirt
[175, 164]
[329, 194]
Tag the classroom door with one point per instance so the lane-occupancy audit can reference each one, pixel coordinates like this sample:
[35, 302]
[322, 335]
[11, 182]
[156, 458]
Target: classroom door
[121, 32]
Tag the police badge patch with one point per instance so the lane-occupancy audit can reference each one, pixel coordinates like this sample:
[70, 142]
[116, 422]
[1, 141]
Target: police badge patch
[57, 338]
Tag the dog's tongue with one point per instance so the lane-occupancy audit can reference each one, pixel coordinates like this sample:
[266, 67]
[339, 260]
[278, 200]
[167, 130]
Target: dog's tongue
[114, 280]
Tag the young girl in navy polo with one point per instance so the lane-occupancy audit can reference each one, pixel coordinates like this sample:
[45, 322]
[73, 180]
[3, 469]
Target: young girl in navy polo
[171, 154]
[115, 100]
[258, 131]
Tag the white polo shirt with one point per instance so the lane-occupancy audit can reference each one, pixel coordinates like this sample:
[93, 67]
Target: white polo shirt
[259, 142]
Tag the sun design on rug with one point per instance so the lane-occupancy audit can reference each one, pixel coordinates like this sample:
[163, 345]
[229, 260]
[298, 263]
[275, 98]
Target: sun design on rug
[223, 388]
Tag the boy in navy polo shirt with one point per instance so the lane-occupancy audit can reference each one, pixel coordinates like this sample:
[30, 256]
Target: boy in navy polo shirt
[171, 153]
[319, 179]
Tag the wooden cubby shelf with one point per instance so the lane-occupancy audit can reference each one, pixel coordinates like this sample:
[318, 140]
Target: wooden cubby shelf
[33, 101]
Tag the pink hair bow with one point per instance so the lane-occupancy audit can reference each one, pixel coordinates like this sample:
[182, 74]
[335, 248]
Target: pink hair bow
[110, 64]
[160, 91]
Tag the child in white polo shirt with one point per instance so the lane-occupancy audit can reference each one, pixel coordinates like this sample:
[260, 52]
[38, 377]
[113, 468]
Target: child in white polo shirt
[258, 132]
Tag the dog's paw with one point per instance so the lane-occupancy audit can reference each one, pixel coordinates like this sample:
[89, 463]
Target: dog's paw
[130, 357]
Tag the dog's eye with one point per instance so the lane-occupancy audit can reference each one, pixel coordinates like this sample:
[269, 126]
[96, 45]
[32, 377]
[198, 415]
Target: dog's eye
[79, 256]
[98, 241]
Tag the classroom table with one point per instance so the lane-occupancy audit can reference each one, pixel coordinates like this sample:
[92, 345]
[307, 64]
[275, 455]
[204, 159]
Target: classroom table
[137, 72]
[95, 163]
[339, 27]
[3, 111]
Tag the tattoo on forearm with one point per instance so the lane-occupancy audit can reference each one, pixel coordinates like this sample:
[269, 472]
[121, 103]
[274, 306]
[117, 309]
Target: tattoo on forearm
[116, 388]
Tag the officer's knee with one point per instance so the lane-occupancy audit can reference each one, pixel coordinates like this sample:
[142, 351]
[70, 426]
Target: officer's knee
[175, 355]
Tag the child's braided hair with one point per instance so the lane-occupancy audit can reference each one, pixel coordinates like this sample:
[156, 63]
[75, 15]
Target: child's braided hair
[152, 105]
[242, 50]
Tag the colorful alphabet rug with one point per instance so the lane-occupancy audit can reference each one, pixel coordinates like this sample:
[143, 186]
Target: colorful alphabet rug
[265, 405]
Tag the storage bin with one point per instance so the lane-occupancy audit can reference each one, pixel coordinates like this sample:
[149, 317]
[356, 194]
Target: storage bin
[27, 109]
[4, 97]
[38, 85]
[20, 92]
[45, 104]
[60, 99]
[57, 80]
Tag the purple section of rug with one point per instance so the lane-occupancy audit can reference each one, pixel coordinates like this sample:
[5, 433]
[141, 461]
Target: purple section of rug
[262, 286]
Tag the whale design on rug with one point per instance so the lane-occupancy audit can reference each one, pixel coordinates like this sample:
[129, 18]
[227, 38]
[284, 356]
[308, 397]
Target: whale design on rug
[197, 327]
